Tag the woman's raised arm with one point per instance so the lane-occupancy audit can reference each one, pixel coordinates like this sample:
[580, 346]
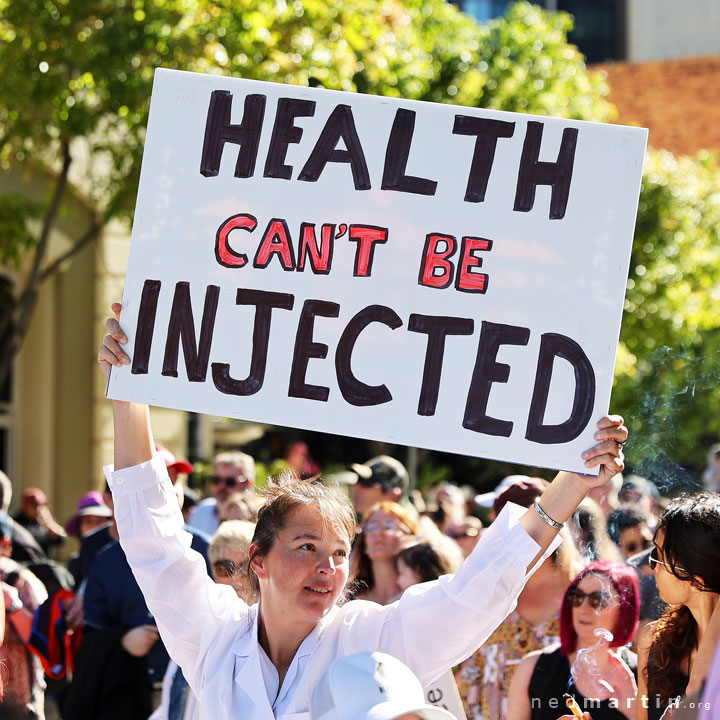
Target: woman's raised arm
[567, 490]
[133, 434]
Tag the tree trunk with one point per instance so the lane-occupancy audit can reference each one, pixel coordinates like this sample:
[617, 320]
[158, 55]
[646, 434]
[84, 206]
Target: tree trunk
[16, 309]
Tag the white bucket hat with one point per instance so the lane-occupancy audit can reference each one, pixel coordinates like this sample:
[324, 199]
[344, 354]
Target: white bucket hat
[371, 686]
[488, 499]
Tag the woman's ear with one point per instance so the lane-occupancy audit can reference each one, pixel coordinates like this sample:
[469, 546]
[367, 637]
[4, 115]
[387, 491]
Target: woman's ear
[698, 583]
[256, 561]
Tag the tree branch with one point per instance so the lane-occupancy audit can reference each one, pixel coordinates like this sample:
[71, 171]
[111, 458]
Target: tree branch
[48, 223]
[28, 297]
[88, 237]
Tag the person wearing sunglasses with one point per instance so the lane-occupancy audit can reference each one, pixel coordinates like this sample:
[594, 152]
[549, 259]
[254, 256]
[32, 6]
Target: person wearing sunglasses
[229, 566]
[629, 529]
[234, 472]
[674, 653]
[598, 618]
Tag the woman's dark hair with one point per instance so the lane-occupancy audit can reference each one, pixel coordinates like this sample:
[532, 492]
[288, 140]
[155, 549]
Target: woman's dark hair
[623, 518]
[284, 495]
[425, 561]
[690, 528]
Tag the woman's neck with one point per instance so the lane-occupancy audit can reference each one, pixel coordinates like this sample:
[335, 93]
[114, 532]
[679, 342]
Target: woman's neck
[385, 579]
[280, 639]
[701, 608]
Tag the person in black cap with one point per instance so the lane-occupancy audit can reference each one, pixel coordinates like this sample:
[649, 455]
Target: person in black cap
[382, 478]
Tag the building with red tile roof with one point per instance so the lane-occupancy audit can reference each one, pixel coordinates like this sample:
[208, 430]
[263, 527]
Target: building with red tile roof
[677, 99]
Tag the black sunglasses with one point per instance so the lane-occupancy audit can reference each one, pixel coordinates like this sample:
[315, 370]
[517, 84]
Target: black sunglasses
[225, 568]
[229, 482]
[654, 561]
[598, 599]
[633, 547]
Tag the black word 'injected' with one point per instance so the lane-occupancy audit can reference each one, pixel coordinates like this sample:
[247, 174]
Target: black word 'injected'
[438, 329]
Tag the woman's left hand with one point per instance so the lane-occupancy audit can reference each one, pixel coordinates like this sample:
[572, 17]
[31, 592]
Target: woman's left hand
[607, 453]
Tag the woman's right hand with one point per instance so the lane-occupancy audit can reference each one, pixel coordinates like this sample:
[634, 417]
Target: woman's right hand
[110, 352]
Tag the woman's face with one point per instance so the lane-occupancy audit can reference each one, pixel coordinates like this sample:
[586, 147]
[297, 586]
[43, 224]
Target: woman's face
[384, 535]
[601, 610]
[230, 568]
[672, 590]
[306, 569]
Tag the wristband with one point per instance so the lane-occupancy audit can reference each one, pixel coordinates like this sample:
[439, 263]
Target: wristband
[552, 523]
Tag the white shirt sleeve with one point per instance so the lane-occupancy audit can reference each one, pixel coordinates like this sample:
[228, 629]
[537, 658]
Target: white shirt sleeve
[436, 625]
[191, 611]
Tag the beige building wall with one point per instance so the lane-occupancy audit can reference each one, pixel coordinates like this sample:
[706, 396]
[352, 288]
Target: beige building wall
[53, 390]
[63, 422]
[659, 29]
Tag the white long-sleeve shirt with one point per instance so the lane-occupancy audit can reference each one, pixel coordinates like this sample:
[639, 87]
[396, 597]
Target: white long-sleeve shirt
[213, 635]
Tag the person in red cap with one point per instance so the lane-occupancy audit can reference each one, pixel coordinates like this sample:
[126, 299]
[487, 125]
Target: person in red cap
[174, 466]
[36, 517]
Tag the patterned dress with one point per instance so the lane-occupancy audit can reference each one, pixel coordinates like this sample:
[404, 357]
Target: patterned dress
[484, 678]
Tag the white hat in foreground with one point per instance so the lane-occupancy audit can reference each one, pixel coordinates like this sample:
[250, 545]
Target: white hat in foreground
[371, 686]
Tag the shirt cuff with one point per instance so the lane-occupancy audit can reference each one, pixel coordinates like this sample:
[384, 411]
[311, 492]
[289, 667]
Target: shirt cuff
[137, 477]
[520, 543]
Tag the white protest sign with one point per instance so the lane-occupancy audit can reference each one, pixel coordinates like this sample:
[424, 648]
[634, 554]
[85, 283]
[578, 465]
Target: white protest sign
[443, 693]
[418, 273]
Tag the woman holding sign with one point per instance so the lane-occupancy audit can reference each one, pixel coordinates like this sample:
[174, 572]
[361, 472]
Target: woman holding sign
[262, 662]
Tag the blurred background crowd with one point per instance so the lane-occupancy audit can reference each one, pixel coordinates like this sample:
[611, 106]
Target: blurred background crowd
[80, 642]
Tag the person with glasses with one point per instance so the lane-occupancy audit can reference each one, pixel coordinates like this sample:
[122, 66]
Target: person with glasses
[629, 529]
[598, 618]
[386, 528]
[674, 652]
[229, 566]
[229, 556]
[262, 661]
[234, 472]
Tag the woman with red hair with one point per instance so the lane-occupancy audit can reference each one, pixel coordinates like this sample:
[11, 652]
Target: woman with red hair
[598, 618]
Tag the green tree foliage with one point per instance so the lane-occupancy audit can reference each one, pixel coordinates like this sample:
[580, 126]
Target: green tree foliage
[668, 374]
[77, 77]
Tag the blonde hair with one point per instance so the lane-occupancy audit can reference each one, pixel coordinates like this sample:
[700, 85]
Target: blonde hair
[233, 534]
[240, 501]
[238, 459]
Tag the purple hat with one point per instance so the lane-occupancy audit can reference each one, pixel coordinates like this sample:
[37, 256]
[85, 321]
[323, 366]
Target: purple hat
[91, 503]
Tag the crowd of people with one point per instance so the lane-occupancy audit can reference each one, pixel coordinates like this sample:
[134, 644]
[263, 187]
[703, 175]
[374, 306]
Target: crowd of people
[302, 601]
